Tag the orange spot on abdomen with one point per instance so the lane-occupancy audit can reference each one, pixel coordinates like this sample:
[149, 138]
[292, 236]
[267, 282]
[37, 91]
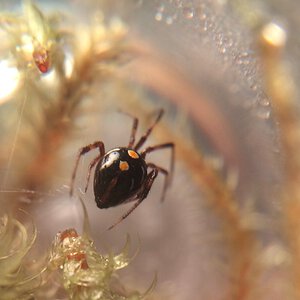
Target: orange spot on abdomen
[133, 154]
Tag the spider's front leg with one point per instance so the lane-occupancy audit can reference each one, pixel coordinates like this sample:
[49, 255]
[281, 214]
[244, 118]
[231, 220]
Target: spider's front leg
[144, 138]
[168, 174]
[83, 151]
[140, 197]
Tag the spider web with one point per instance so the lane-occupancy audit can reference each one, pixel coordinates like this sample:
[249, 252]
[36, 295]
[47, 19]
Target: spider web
[15, 139]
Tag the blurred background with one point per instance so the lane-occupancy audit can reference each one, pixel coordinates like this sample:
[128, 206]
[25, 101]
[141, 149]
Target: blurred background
[222, 231]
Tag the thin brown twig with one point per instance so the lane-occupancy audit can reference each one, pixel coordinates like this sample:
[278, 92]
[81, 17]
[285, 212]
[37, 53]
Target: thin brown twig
[281, 90]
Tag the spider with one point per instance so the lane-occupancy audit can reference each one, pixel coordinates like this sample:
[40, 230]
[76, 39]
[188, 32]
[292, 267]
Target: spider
[121, 174]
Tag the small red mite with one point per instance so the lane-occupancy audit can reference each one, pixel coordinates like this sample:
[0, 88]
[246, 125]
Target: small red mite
[41, 58]
[76, 256]
[68, 234]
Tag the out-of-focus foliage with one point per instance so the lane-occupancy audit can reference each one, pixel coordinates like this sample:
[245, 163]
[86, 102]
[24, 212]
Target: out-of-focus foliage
[18, 277]
[85, 273]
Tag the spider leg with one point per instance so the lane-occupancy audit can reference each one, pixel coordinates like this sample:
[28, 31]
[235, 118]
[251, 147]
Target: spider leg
[148, 132]
[141, 196]
[133, 132]
[91, 166]
[166, 174]
[134, 128]
[171, 146]
[83, 151]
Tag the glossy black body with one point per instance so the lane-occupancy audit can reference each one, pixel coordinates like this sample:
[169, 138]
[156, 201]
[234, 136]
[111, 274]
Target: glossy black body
[114, 186]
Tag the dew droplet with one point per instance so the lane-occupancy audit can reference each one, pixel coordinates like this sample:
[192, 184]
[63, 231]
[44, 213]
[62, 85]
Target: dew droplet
[169, 20]
[230, 42]
[223, 50]
[158, 16]
[254, 87]
[188, 12]
[202, 16]
[264, 113]
[244, 54]
[264, 102]
[239, 61]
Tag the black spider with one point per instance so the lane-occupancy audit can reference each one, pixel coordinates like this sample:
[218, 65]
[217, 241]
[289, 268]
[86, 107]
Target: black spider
[121, 174]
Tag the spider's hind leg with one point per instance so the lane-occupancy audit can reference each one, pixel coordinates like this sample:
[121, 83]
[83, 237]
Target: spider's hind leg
[168, 174]
[166, 182]
[140, 197]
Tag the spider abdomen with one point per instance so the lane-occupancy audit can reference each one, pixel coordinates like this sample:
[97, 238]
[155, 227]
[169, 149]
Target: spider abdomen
[119, 176]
